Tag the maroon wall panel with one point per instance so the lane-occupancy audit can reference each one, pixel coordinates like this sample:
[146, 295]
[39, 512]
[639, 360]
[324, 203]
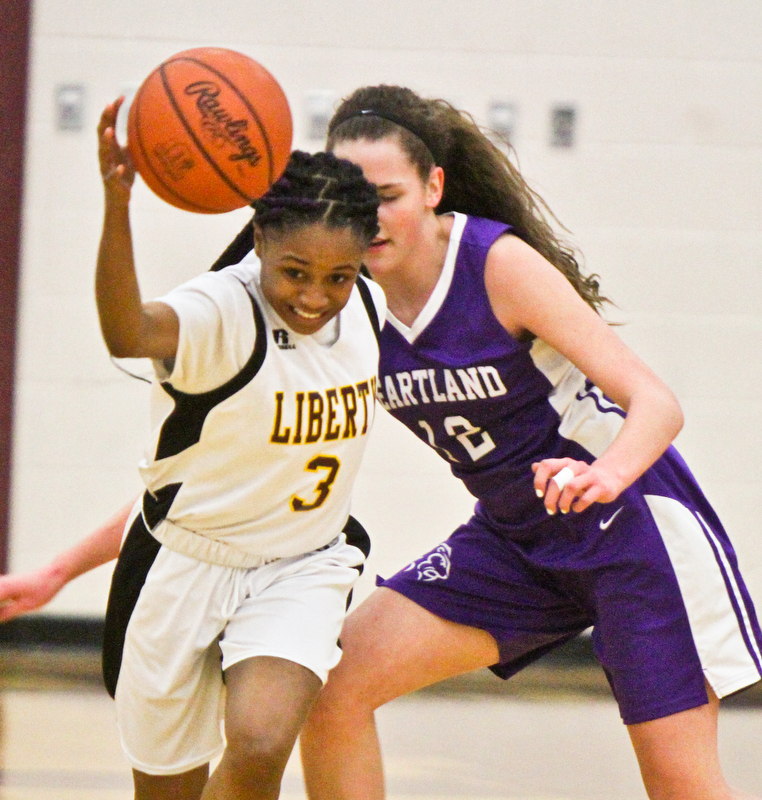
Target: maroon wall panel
[14, 59]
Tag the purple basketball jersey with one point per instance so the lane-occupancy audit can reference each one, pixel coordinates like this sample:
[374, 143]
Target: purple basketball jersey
[488, 403]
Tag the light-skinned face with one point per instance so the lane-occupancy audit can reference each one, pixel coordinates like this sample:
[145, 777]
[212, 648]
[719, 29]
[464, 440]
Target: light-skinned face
[308, 273]
[406, 200]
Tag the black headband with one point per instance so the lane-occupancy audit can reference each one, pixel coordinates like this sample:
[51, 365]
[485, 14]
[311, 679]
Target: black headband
[387, 115]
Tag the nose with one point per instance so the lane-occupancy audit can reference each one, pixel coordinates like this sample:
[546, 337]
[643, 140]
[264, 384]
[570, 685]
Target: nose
[382, 214]
[313, 297]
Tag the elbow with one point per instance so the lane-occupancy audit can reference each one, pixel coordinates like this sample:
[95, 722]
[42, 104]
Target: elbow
[119, 347]
[119, 352]
[679, 418]
[674, 419]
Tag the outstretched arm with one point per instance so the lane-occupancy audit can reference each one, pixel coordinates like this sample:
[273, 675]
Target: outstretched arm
[131, 328]
[529, 294]
[20, 594]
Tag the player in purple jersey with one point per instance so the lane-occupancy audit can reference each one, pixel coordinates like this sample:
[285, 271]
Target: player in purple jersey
[494, 355]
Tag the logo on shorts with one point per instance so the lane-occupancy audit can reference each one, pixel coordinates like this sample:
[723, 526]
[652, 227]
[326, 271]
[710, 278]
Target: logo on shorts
[435, 566]
[603, 525]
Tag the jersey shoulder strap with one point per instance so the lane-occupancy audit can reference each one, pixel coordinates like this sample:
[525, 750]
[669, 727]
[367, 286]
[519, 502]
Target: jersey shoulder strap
[370, 306]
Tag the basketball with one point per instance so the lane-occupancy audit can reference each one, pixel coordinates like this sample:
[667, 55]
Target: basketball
[209, 130]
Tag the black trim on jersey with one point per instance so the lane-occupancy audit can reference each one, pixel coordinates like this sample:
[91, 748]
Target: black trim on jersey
[358, 537]
[136, 557]
[156, 506]
[182, 428]
[370, 306]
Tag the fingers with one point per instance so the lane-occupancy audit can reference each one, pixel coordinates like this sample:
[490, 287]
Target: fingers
[551, 478]
[109, 115]
[13, 601]
[116, 166]
[20, 594]
[107, 141]
[10, 609]
[564, 485]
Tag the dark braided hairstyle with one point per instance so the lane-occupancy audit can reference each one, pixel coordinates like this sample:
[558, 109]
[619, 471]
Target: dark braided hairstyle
[480, 179]
[314, 188]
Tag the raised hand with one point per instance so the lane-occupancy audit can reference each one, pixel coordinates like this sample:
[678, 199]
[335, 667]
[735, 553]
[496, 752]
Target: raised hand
[117, 170]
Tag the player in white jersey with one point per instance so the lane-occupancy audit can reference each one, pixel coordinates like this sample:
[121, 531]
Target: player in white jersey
[240, 553]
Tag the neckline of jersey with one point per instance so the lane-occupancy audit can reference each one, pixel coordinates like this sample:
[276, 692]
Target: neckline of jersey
[442, 287]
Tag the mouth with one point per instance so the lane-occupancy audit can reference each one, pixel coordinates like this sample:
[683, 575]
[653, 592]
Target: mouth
[308, 315]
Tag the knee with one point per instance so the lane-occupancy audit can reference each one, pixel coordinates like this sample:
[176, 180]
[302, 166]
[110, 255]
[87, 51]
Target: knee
[257, 756]
[340, 704]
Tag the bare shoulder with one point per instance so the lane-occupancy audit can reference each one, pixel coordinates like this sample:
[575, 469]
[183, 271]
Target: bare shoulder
[520, 283]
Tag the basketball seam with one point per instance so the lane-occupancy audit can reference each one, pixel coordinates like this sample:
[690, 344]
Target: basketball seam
[193, 136]
[148, 163]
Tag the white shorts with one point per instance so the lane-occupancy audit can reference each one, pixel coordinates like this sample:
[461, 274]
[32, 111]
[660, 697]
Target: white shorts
[193, 620]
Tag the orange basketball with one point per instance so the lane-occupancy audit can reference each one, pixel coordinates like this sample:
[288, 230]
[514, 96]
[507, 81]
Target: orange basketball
[209, 130]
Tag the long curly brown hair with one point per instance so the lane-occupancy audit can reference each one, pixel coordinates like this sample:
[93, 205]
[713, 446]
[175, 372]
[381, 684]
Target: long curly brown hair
[480, 178]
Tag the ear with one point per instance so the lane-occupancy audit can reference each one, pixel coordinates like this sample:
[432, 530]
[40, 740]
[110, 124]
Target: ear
[435, 187]
[258, 240]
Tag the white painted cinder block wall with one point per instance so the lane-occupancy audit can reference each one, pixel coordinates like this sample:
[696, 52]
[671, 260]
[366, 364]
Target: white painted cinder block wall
[661, 192]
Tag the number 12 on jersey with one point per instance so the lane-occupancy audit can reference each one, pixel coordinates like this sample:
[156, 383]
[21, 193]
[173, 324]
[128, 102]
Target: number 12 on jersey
[475, 441]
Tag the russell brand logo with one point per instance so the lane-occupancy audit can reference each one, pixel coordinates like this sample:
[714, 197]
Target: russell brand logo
[281, 339]
[220, 125]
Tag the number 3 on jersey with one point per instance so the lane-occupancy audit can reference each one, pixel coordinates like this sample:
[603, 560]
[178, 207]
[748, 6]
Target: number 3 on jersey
[330, 463]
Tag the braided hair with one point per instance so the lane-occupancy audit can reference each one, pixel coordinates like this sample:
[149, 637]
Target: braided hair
[314, 188]
[480, 179]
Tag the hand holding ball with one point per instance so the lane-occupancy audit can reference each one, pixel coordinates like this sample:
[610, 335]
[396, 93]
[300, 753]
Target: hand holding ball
[209, 130]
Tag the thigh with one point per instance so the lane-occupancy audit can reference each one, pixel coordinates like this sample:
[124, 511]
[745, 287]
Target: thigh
[186, 786]
[392, 646]
[267, 701]
[678, 754]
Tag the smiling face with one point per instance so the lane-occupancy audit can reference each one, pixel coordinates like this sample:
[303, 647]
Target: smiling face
[308, 272]
[407, 201]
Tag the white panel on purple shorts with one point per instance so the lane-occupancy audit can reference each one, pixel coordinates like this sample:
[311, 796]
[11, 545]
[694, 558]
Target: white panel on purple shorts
[719, 631]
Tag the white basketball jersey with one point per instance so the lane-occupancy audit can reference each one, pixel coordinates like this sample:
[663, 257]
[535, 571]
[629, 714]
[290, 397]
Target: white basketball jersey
[258, 431]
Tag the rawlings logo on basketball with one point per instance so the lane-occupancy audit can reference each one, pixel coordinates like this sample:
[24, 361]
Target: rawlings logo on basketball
[220, 124]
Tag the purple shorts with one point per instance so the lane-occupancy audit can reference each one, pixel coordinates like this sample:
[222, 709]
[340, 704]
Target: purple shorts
[655, 576]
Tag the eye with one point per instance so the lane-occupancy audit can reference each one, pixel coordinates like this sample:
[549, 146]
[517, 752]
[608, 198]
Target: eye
[293, 273]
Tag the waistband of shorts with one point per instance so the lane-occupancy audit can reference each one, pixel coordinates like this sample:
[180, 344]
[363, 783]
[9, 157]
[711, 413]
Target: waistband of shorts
[211, 551]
